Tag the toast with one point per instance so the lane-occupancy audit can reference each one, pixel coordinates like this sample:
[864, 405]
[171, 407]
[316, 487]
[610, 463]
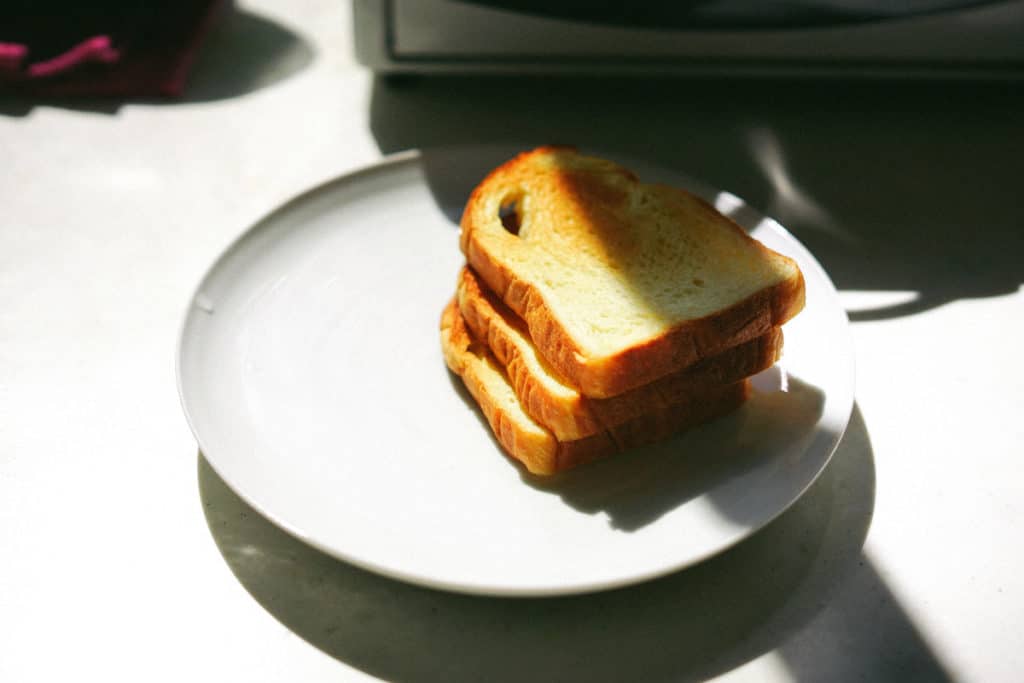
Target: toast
[620, 283]
[537, 448]
[560, 407]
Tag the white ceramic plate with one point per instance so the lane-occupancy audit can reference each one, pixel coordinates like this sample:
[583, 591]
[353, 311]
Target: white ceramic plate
[310, 371]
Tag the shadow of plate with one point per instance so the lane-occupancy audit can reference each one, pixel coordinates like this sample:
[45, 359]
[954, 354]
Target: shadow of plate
[696, 623]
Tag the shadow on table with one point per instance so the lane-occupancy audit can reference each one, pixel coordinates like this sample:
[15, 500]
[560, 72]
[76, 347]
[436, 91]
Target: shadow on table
[895, 187]
[802, 586]
[243, 53]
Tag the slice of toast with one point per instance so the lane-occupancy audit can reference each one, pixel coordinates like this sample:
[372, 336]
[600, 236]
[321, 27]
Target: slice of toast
[536, 447]
[560, 407]
[620, 283]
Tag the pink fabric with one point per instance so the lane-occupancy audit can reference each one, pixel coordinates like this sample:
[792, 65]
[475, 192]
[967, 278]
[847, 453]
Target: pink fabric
[111, 48]
[11, 57]
[92, 50]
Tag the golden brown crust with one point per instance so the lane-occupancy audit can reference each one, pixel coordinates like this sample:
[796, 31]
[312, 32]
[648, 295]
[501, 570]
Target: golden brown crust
[641, 364]
[538, 449]
[685, 344]
[568, 414]
[617, 372]
[653, 427]
[535, 447]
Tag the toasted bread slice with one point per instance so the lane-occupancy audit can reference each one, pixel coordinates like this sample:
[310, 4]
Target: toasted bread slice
[620, 283]
[536, 447]
[561, 407]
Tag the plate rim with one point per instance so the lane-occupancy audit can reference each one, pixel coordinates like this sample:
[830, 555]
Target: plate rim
[397, 160]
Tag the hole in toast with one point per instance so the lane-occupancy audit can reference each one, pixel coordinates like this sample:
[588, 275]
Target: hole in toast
[699, 282]
[510, 217]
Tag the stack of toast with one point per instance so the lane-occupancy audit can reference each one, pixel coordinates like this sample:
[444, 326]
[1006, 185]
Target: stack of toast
[597, 313]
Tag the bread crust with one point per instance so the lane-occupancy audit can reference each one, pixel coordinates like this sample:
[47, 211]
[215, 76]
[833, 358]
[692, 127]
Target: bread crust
[566, 412]
[602, 376]
[536, 447]
[652, 427]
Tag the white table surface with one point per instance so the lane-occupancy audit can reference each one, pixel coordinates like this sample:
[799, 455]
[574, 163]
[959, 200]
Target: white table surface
[124, 557]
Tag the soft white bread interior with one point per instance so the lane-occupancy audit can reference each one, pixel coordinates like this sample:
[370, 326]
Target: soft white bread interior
[620, 283]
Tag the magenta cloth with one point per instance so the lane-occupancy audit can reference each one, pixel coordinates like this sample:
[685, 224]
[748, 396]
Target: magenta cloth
[102, 48]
